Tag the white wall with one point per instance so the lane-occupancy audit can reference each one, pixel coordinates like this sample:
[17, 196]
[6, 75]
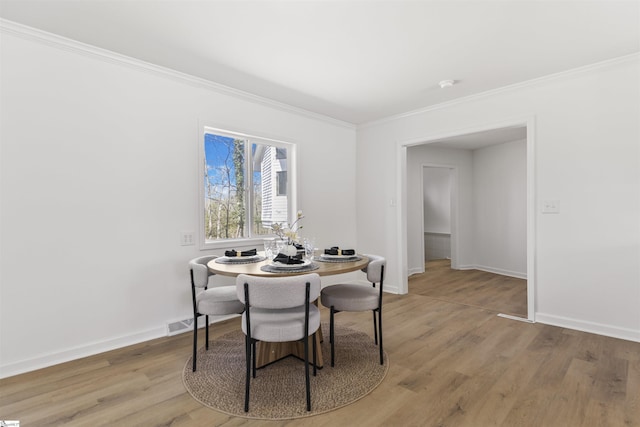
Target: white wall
[436, 212]
[587, 155]
[99, 177]
[436, 194]
[500, 208]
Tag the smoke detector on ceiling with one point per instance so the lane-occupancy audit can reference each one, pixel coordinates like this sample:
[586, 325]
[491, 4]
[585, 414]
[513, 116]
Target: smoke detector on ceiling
[447, 83]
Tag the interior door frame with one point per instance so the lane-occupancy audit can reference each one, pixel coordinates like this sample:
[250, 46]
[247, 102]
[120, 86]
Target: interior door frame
[453, 215]
[401, 190]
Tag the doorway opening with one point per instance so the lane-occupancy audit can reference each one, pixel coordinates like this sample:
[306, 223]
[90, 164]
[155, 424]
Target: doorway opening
[490, 172]
[438, 210]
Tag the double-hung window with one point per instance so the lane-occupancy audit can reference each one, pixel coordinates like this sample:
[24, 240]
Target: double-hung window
[247, 185]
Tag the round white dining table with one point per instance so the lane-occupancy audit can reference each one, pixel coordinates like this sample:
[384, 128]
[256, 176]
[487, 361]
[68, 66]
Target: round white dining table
[271, 352]
[254, 268]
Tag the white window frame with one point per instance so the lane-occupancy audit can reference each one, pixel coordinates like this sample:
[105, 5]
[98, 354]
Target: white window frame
[291, 186]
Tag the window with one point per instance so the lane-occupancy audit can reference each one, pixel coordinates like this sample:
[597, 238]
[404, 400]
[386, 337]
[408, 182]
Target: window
[281, 183]
[246, 186]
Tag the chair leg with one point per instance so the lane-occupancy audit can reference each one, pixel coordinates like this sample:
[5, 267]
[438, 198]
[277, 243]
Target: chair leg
[253, 358]
[306, 371]
[380, 331]
[330, 324]
[375, 328]
[206, 318]
[315, 362]
[248, 377]
[331, 337]
[195, 341]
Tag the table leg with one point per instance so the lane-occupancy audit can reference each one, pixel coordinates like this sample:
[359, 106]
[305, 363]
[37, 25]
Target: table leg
[269, 352]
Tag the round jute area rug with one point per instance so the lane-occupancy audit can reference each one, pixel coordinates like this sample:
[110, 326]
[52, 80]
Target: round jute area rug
[278, 391]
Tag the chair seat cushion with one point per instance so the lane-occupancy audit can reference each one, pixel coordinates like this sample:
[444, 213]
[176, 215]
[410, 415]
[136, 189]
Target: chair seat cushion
[219, 301]
[350, 297]
[281, 325]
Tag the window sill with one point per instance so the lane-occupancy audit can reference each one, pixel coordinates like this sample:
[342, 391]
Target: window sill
[249, 243]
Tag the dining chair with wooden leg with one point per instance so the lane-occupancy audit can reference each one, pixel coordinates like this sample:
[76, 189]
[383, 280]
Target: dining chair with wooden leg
[357, 297]
[278, 309]
[209, 301]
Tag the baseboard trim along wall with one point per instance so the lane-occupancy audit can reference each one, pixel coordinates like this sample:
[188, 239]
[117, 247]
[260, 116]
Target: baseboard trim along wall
[80, 352]
[500, 271]
[94, 348]
[391, 289]
[591, 327]
[413, 271]
[515, 274]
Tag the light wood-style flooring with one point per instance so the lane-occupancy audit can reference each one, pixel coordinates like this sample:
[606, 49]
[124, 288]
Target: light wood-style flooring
[474, 288]
[450, 365]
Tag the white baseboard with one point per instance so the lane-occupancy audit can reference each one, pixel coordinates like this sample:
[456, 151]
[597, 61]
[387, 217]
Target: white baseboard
[391, 289]
[51, 359]
[591, 327]
[500, 271]
[416, 270]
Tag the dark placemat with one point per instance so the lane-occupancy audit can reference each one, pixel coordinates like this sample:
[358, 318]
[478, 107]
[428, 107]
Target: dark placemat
[271, 269]
[357, 258]
[227, 260]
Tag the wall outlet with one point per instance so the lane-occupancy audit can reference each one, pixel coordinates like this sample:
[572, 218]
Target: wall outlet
[187, 238]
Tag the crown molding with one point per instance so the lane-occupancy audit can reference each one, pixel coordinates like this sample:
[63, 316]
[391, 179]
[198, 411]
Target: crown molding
[533, 82]
[64, 43]
[34, 34]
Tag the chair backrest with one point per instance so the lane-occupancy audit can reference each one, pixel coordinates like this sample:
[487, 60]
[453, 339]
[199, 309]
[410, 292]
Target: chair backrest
[199, 271]
[375, 270]
[278, 292]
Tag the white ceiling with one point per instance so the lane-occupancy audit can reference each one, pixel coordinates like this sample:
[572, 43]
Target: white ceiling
[473, 141]
[356, 61]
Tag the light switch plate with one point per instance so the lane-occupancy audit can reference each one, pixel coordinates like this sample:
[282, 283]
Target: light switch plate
[551, 206]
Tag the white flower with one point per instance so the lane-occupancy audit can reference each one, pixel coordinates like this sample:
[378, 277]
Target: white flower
[291, 235]
[290, 232]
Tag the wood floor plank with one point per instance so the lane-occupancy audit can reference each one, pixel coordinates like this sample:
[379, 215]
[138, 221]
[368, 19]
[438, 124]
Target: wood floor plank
[452, 363]
[569, 405]
[631, 406]
[496, 403]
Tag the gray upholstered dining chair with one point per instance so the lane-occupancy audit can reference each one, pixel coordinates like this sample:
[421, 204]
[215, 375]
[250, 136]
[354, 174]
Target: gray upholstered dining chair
[278, 309]
[354, 297]
[214, 301]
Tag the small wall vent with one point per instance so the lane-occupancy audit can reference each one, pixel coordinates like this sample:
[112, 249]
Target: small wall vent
[179, 327]
[186, 325]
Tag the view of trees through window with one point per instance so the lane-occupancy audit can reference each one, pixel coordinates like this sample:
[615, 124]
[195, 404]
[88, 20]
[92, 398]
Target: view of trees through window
[243, 190]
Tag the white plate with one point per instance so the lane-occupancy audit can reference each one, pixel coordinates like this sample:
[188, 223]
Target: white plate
[241, 258]
[290, 266]
[327, 256]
